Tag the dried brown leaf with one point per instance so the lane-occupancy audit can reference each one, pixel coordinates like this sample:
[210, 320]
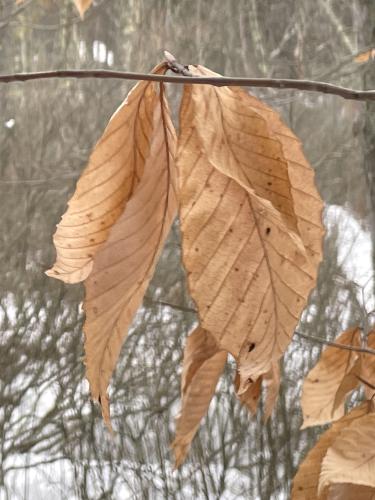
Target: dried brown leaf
[325, 379]
[351, 456]
[125, 263]
[305, 483]
[113, 172]
[248, 269]
[203, 364]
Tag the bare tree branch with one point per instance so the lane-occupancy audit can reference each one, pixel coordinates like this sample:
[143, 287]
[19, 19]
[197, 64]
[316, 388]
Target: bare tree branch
[279, 83]
[311, 338]
[335, 344]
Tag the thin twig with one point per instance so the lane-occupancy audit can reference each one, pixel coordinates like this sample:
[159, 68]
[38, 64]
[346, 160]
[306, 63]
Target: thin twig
[311, 338]
[279, 83]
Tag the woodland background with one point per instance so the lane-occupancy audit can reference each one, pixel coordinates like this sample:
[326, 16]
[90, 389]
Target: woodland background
[53, 443]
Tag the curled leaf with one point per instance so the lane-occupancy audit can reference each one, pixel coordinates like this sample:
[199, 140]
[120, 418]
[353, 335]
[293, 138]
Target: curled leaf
[125, 263]
[114, 170]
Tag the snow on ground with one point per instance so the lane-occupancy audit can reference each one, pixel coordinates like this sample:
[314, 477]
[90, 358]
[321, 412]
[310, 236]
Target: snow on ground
[354, 252]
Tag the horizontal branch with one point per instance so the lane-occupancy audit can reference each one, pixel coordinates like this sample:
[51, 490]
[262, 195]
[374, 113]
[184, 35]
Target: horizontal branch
[311, 338]
[283, 83]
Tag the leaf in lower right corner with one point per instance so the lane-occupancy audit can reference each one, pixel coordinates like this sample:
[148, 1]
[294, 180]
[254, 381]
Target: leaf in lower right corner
[305, 483]
[351, 456]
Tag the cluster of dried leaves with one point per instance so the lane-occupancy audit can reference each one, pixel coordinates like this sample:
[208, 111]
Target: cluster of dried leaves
[342, 463]
[251, 228]
[251, 243]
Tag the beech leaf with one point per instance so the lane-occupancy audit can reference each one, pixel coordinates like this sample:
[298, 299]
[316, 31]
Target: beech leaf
[113, 172]
[250, 250]
[125, 263]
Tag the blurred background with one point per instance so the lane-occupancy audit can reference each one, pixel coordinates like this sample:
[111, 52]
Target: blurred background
[53, 444]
